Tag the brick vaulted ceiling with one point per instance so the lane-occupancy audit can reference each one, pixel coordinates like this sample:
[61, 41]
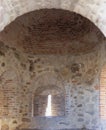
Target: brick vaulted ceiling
[52, 31]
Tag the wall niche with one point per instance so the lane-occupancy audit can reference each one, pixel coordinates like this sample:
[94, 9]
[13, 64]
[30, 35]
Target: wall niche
[49, 101]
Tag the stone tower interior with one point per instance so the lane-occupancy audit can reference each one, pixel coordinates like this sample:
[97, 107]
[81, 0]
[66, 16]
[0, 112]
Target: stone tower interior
[52, 65]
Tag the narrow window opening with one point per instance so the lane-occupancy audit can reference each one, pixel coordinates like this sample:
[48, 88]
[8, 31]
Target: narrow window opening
[49, 107]
[49, 102]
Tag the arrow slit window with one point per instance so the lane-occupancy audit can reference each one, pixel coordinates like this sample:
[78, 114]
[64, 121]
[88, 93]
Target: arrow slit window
[49, 102]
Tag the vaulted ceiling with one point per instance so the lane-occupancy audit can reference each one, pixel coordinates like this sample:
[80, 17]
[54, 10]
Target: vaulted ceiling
[94, 10]
[52, 31]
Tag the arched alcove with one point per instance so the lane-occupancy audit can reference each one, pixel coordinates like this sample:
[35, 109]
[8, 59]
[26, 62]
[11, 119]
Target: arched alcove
[49, 101]
[48, 93]
[62, 52]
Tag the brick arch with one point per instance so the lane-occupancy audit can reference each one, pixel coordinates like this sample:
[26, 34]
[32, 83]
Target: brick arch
[44, 90]
[46, 79]
[43, 83]
[93, 10]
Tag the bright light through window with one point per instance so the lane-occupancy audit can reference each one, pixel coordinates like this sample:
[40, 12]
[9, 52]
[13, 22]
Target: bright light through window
[48, 109]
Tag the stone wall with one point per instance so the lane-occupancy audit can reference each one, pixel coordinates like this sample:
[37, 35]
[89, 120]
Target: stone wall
[22, 74]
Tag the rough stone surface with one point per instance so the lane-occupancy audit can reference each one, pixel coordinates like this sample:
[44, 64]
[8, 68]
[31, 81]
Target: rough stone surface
[21, 74]
[19, 82]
